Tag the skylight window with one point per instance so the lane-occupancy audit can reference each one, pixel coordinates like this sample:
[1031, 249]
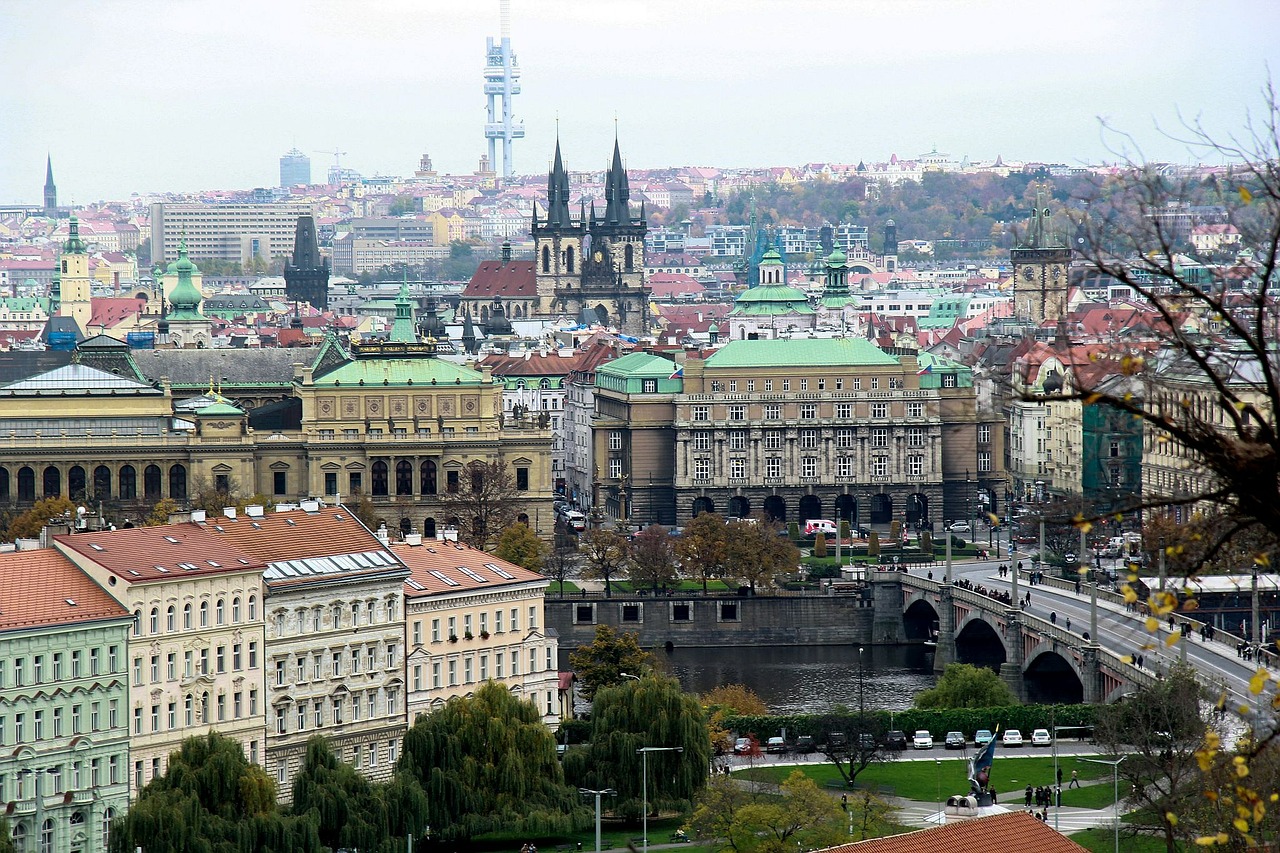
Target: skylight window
[136, 573]
[499, 571]
[70, 601]
[171, 540]
[96, 547]
[215, 565]
[475, 576]
[444, 579]
[191, 567]
[415, 585]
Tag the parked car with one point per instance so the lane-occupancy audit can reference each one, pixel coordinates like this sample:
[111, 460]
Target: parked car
[866, 742]
[895, 739]
[1040, 737]
[776, 744]
[805, 744]
[982, 737]
[922, 740]
[1012, 738]
[960, 527]
[954, 740]
[742, 746]
[836, 741]
[820, 525]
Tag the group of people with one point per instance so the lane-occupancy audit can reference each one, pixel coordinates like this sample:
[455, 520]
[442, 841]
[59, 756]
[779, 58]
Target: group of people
[1043, 795]
[998, 595]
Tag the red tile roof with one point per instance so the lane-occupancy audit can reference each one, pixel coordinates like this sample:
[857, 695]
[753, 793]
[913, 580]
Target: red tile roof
[296, 534]
[42, 587]
[438, 569]
[166, 553]
[1006, 833]
[537, 364]
[110, 310]
[492, 278]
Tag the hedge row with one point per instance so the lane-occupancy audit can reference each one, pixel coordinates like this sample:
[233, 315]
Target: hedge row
[1026, 718]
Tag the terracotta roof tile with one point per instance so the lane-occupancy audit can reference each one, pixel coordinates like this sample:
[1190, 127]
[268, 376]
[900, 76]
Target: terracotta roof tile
[493, 278]
[1006, 833]
[296, 534]
[440, 568]
[142, 554]
[42, 587]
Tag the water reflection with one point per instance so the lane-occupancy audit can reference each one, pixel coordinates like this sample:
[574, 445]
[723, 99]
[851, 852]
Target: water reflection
[809, 679]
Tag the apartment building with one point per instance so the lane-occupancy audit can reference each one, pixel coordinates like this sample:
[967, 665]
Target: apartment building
[335, 636]
[64, 694]
[225, 232]
[474, 618]
[197, 645]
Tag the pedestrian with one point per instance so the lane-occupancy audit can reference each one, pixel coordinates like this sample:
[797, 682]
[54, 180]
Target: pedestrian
[1028, 800]
[1053, 618]
[1057, 793]
[1077, 587]
[1075, 780]
[1019, 565]
[1170, 621]
[994, 798]
[1068, 623]
[1059, 775]
[930, 574]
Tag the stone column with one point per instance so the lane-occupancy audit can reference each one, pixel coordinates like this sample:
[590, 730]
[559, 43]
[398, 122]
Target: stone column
[887, 599]
[1011, 670]
[945, 652]
[1092, 665]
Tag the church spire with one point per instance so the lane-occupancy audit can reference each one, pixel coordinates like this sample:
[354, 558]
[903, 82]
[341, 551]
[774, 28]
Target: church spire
[617, 191]
[50, 189]
[558, 192]
[402, 330]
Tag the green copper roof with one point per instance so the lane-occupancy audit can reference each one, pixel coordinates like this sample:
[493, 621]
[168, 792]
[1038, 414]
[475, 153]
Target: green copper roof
[401, 372]
[74, 245]
[222, 408]
[939, 366]
[804, 352]
[772, 299]
[837, 258]
[402, 330]
[184, 301]
[641, 365]
[771, 257]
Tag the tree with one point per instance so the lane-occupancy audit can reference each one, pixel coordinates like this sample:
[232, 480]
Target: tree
[401, 205]
[520, 545]
[461, 263]
[487, 763]
[6, 836]
[873, 544]
[1162, 731]
[160, 513]
[757, 552]
[606, 555]
[486, 501]
[362, 508]
[610, 654]
[726, 700]
[214, 499]
[804, 817]
[209, 800]
[820, 545]
[29, 524]
[851, 752]
[653, 557]
[963, 685]
[561, 561]
[347, 808]
[632, 714]
[701, 548]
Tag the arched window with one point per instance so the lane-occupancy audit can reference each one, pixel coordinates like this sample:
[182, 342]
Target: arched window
[168, 620]
[107, 817]
[155, 620]
[128, 483]
[428, 471]
[75, 482]
[568, 259]
[20, 837]
[235, 609]
[546, 259]
[186, 617]
[404, 477]
[26, 484]
[220, 611]
[102, 482]
[429, 527]
[4, 484]
[151, 483]
[204, 614]
[52, 482]
[137, 623]
[253, 607]
[178, 482]
[406, 526]
[46, 829]
[628, 257]
[379, 479]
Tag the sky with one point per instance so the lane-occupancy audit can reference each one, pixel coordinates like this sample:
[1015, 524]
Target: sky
[142, 96]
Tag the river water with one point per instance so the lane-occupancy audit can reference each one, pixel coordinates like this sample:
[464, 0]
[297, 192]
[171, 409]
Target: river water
[809, 679]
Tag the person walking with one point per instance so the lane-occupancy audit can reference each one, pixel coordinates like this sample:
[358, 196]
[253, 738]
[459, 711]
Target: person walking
[1053, 618]
[1075, 779]
[1068, 623]
[1028, 798]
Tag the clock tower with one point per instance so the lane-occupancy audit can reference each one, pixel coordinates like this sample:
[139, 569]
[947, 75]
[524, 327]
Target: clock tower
[1041, 271]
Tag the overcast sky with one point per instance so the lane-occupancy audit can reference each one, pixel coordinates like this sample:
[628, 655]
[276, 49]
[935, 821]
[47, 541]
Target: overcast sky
[173, 95]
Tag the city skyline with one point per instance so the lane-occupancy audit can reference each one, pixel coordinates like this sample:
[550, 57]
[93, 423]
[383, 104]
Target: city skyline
[141, 96]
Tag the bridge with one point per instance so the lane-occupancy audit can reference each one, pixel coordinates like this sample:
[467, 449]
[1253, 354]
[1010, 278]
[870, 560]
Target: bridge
[1085, 654]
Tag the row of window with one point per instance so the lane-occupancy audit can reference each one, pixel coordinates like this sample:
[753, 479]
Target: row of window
[49, 838]
[321, 712]
[474, 665]
[54, 723]
[193, 616]
[79, 483]
[806, 411]
[195, 663]
[38, 669]
[61, 778]
[808, 439]
[472, 622]
[819, 384]
[370, 754]
[319, 669]
[380, 482]
[726, 611]
[336, 616]
[845, 466]
[196, 710]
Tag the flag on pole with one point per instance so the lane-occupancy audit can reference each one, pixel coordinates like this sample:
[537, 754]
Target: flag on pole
[678, 373]
[980, 765]
[928, 368]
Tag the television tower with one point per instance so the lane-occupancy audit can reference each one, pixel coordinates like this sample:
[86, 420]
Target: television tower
[502, 80]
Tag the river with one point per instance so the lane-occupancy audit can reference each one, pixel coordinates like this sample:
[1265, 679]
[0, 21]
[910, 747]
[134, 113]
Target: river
[809, 679]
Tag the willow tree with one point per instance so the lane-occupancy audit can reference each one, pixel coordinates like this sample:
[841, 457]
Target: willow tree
[608, 659]
[487, 762]
[211, 800]
[347, 808]
[650, 712]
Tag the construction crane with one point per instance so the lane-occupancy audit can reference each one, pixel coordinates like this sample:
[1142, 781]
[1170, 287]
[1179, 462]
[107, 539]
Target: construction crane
[337, 155]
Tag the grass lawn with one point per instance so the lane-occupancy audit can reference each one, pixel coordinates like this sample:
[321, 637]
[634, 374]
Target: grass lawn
[613, 834]
[926, 780]
[567, 588]
[1103, 840]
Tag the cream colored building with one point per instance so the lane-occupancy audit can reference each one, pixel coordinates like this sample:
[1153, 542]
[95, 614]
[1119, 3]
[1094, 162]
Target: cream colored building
[197, 647]
[474, 618]
[335, 634]
[228, 232]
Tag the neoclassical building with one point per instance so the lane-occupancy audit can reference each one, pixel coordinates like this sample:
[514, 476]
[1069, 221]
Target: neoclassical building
[396, 421]
[64, 695]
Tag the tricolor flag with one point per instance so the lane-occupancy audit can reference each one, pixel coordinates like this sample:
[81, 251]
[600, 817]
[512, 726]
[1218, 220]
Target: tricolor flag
[678, 373]
[980, 765]
[928, 368]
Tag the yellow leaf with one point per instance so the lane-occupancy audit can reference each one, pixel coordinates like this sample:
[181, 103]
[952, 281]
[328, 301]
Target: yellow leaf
[1126, 659]
[1245, 195]
[1172, 639]
[1129, 595]
[1153, 624]
[1241, 824]
[1172, 818]
[1258, 681]
[1207, 840]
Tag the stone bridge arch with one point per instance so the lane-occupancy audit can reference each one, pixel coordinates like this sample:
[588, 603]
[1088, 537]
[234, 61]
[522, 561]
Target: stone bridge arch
[978, 641]
[1052, 675]
[920, 619]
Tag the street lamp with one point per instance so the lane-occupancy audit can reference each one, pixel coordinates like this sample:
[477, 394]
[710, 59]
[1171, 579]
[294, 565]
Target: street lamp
[644, 783]
[1115, 784]
[607, 792]
[629, 675]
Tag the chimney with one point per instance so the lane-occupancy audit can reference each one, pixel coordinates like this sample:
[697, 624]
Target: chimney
[229, 511]
[383, 536]
[413, 539]
[198, 516]
[254, 511]
[310, 506]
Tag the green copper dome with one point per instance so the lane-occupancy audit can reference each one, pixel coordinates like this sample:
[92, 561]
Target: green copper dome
[184, 301]
[74, 244]
[770, 256]
[837, 258]
[772, 299]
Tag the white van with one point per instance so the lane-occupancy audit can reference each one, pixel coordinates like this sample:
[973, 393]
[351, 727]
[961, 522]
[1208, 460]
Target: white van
[814, 526]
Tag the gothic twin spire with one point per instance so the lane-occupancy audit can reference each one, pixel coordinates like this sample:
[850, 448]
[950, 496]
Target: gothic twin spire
[617, 192]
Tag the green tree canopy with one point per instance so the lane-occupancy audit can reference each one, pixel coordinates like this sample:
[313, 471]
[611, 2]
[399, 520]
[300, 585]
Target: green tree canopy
[602, 662]
[702, 547]
[487, 762]
[651, 712]
[756, 552]
[347, 808]
[210, 800]
[963, 685]
[520, 545]
[653, 557]
[30, 523]
[804, 817]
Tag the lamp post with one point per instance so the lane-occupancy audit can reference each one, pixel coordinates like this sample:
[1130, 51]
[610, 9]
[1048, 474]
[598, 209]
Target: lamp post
[862, 707]
[644, 783]
[629, 675]
[1115, 785]
[607, 792]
